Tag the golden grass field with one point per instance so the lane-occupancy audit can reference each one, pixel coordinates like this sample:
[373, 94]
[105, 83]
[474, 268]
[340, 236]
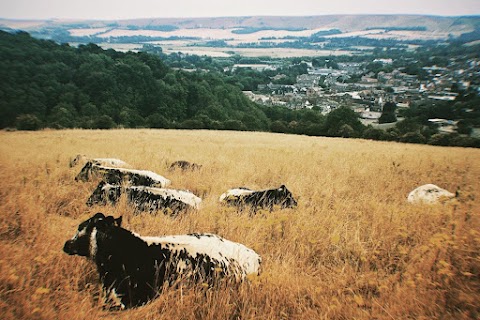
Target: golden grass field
[352, 249]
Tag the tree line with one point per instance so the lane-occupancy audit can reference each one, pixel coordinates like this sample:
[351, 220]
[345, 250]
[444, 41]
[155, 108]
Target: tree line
[44, 84]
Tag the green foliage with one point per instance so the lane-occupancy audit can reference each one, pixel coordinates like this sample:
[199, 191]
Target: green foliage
[343, 122]
[234, 125]
[374, 134]
[413, 137]
[278, 126]
[388, 113]
[88, 87]
[104, 122]
[464, 127]
[28, 122]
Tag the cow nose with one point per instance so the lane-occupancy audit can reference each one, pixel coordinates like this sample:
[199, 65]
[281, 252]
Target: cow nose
[68, 247]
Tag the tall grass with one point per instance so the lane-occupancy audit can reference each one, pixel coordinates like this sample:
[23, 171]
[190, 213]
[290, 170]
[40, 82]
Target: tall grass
[352, 249]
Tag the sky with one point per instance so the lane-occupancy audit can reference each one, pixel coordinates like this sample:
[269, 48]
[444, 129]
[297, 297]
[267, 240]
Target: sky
[129, 9]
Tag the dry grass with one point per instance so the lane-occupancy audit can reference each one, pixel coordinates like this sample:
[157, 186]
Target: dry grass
[353, 249]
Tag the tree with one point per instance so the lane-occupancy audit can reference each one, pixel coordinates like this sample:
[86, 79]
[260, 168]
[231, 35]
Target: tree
[28, 122]
[388, 113]
[104, 122]
[464, 127]
[346, 131]
[278, 126]
[157, 121]
[335, 121]
[62, 116]
[413, 137]
[373, 134]
[234, 125]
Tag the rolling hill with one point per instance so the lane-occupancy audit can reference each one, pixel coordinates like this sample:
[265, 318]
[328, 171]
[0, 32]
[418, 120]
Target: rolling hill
[424, 26]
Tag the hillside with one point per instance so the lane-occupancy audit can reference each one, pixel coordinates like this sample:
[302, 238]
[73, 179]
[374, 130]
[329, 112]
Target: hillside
[346, 23]
[433, 27]
[352, 249]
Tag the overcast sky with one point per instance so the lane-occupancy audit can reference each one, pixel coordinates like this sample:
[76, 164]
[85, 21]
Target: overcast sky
[125, 9]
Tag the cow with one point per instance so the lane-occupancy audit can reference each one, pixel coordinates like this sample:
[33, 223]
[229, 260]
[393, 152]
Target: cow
[120, 175]
[146, 198]
[134, 269]
[241, 197]
[109, 162]
[429, 194]
[184, 166]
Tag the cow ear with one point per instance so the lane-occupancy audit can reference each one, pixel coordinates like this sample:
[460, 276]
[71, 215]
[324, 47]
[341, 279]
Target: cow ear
[282, 187]
[99, 215]
[118, 221]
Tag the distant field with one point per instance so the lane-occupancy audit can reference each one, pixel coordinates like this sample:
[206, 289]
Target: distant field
[254, 52]
[352, 249]
[231, 38]
[208, 33]
[181, 46]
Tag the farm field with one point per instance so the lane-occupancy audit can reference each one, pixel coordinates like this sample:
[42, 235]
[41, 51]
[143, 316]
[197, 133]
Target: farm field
[169, 47]
[256, 52]
[352, 249]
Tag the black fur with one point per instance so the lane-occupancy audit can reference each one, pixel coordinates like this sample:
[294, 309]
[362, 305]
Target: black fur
[131, 268]
[113, 175]
[141, 199]
[264, 199]
[184, 165]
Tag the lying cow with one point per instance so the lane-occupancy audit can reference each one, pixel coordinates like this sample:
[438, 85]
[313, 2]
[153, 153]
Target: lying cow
[146, 198]
[120, 175]
[429, 194]
[108, 162]
[133, 269]
[241, 197]
[184, 165]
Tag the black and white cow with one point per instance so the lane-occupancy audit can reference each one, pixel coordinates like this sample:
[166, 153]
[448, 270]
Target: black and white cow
[108, 162]
[120, 175]
[133, 269]
[146, 198]
[241, 197]
[184, 166]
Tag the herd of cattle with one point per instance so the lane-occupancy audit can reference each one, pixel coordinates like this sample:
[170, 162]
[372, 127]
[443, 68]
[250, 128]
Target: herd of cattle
[147, 190]
[133, 269]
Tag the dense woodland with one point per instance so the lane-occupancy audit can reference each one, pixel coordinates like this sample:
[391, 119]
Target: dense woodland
[45, 84]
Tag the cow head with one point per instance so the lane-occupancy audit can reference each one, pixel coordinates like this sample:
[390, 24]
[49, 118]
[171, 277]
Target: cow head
[77, 160]
[84, 241]
[86, 172]
[103, 193]
[288, 201]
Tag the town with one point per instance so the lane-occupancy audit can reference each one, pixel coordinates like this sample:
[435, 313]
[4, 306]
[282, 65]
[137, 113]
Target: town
[353, 84]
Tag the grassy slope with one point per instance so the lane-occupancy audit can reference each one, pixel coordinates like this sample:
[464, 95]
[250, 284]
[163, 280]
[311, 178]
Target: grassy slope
[352, 249]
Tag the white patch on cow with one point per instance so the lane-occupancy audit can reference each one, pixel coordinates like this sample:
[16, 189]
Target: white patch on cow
[180, 195]
[162, 181]
[93, 243]
[235, 193]
[111, 162]
[80, 233]
[429, 194]
[239, 258]
[181, 266]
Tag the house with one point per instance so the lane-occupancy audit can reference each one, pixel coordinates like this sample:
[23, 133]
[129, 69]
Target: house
[444, 125]
[307, 80]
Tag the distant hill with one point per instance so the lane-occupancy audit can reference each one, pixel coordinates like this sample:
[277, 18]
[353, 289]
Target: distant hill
[345, 23]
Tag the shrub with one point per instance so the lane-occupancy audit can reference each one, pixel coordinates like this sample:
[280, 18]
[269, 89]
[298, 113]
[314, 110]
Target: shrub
[104, 122]
[28, 122]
